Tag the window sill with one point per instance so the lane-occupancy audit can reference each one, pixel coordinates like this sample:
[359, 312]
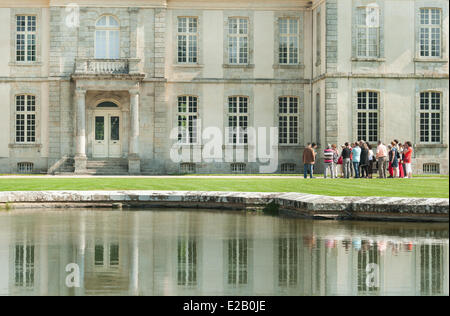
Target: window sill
[430, 60]
[423, 145]
[243, 66]
[25, 64]
[368, 59]
[17, 145]
[282, 66]
[187, 65]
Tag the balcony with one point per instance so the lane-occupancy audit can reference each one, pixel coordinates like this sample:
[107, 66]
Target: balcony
[107, 67]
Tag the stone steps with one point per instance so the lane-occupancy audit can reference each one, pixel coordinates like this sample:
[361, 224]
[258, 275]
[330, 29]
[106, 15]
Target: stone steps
[116, 166]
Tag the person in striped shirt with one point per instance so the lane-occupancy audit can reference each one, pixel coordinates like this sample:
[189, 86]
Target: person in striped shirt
[328, 162]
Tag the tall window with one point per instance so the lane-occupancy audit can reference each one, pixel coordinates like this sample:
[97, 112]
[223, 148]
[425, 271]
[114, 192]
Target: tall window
[237, 261]
[368, 116]
[368, 32]
[25, 118]
[187, 39]
[187, 119]
[238, 41]
[430, 32]
[26, 38]
[288, 262]
[431, 269]
[187, 261]
[107, 43]
[430, 117]
[24, 266]
[318, 37]
[288, 120]
[238, 120]
[288, 49]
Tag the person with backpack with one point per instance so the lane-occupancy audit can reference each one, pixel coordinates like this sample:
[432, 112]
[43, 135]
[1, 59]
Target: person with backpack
[346, 153]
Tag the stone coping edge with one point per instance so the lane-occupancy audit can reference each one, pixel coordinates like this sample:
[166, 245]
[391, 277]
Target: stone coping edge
[301, 204]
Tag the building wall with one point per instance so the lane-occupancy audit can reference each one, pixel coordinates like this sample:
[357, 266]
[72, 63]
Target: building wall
[325, 80]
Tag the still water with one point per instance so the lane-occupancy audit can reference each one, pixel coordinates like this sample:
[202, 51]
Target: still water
[179, 252]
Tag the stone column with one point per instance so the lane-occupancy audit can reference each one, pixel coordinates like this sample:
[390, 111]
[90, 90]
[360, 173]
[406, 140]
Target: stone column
[80, 155]
[134, 162]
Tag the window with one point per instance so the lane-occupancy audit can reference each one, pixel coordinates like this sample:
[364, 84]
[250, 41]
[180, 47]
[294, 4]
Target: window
[238, 167]
[288, 262]
[431, 269]
[107, 44]
[187, 261]
[187, 40]
[25, 167]
[288, 120]
[25, 38]
[430, 117]
[431, 168]
[287, 168]
[368, 262]
[430, 32]
[238, 120]
[368, 32]
[237, 261]
[187, 119]
[288, 47]
[367, 116]
[24, 266]
[318, 37]
[187, 167]
[25, 118]
[238, 41]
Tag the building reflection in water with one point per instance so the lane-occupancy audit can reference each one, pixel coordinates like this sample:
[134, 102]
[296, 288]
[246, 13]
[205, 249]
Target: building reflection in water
[205, 253]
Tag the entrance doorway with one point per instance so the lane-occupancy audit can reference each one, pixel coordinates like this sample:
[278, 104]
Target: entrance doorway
[107, 134]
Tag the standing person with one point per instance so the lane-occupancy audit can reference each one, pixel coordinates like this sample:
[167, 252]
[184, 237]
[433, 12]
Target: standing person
[390, 169]
[381, 156]
[341, 163]
[394, 161]
[371, 160]
[308, 161]
[335, 159]
[408, 157]
[314, 148]
[400, 161]
[356, 156]
[403, 160]
[346, 152]
[328, 161]
[364, 161]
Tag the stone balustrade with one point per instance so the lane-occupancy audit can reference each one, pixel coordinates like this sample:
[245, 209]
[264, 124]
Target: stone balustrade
[92, 66]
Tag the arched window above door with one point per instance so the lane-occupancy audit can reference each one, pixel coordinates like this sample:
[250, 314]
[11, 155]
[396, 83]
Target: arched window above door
[107, 38]
[107, 104]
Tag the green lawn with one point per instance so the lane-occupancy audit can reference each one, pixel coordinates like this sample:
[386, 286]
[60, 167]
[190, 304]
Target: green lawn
[419, 187]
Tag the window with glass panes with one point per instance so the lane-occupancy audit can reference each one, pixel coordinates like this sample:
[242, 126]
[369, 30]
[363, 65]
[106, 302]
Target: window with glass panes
[25, 38]
[237, 120]
[238, 40]
[107, 38]
[367, 115]
[430, 117]
[430, 32]
[187, 39]
[288, 46]
[368, 32]
[288, 120]
[25, 119]
[187, 119]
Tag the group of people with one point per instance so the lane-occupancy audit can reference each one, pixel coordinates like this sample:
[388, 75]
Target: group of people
[359, 160]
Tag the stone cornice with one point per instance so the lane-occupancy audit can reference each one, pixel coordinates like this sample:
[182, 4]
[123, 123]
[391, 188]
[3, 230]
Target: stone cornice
[339, 75]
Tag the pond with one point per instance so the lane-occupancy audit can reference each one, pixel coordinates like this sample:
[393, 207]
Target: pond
[202, 252]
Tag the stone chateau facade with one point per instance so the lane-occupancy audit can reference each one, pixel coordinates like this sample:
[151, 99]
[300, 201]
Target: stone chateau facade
[95, 86]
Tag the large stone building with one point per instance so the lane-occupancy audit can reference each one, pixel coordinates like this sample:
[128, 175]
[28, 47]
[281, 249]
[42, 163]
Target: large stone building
[111, 86]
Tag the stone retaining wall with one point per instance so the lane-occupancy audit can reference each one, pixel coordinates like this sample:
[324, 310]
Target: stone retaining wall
[299, 204]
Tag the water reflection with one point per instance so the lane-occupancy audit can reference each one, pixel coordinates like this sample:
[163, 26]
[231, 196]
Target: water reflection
[210, 253]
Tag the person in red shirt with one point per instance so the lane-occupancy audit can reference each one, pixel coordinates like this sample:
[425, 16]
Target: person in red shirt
[408, 154]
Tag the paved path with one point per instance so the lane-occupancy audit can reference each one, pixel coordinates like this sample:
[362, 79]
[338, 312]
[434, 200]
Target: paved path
[172, 177]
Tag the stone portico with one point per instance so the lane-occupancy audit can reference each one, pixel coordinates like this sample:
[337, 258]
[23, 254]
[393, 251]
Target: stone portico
[110, 80]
